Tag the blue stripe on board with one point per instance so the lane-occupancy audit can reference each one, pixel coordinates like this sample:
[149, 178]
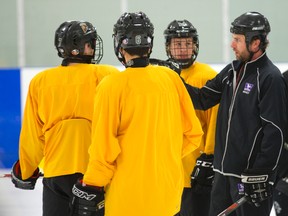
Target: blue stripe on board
[10, 116]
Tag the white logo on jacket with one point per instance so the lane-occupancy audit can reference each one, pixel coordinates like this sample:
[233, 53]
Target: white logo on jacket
[247, 88]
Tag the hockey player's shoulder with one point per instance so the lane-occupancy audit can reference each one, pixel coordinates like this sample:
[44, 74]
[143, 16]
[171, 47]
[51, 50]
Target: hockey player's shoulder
[106, 67]
[39, 75]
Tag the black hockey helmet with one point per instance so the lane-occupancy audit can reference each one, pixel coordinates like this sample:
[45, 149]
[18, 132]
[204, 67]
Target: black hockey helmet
[252, 25]
[70, 40]
[132, 30]
[182, 29]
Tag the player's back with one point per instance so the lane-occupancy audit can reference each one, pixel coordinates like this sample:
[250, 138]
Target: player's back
[60, 105]
[150, 130]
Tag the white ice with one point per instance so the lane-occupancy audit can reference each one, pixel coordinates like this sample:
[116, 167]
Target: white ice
[17, 202]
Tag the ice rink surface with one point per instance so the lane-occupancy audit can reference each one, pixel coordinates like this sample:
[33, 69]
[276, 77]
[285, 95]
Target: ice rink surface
[17, 202]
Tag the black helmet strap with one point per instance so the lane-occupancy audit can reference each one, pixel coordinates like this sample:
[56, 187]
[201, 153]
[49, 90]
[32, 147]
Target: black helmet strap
[85, 59]
[137, 62]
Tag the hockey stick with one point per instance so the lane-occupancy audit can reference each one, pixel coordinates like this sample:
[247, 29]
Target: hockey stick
[8, 175]
[5, 176]
[234, 206]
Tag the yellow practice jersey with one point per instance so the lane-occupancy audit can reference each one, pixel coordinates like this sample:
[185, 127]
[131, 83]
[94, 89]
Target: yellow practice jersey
[197, 75]
[56, 125]
[144, 124]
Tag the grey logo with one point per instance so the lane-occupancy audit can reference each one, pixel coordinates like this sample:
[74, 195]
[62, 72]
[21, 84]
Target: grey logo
[138, 39]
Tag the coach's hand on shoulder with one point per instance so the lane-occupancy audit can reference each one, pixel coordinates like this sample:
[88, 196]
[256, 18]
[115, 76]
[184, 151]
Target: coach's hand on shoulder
[87, 200]
[174, 65]
[256, 185]
[16, 177]
[170, 63]
[203, 175]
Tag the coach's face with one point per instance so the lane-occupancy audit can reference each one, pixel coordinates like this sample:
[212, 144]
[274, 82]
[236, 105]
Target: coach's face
[238, 44]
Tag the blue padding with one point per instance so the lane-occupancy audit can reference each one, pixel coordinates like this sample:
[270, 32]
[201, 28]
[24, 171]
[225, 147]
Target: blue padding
[10, 116]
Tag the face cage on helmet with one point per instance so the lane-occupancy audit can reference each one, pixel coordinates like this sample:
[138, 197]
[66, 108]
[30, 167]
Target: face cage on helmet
[185, 63]
[98, 50]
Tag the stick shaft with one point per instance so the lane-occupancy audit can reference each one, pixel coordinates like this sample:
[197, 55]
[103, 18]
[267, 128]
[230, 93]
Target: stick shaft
[5, 175]
[233, 207]
[8, 175]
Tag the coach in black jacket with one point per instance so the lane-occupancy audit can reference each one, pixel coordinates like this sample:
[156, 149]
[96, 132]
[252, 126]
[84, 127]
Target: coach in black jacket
[251, 120]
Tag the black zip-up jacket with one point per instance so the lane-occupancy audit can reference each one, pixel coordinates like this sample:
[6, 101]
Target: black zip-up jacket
[252, 116]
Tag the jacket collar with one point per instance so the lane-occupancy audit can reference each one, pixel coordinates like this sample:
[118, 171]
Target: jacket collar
[236, 64]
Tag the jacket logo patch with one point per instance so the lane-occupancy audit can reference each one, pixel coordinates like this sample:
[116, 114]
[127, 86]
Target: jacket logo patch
[247, 88]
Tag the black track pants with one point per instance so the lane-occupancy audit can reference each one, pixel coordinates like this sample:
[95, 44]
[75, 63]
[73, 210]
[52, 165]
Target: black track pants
[57, 192]
[194, 204]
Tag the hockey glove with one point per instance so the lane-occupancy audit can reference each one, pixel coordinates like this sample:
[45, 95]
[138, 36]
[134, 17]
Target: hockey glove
[203, 175]
[87, 200]
[256, 186]
[170, 63]
[16, 177]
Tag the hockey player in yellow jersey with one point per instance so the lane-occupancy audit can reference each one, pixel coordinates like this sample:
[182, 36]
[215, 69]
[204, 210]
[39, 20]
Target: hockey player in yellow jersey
[57, 118]
[182, 46]
[147, 124]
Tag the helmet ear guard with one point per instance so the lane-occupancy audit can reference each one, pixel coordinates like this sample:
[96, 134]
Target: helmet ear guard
[133, 31]
[70, 40]
[182, 29]
[60, 38]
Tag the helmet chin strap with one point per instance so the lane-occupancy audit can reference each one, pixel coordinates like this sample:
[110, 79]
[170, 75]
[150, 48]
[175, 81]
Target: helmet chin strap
[185, 63]
[85, 59]
[137, 62]
[251, 54]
